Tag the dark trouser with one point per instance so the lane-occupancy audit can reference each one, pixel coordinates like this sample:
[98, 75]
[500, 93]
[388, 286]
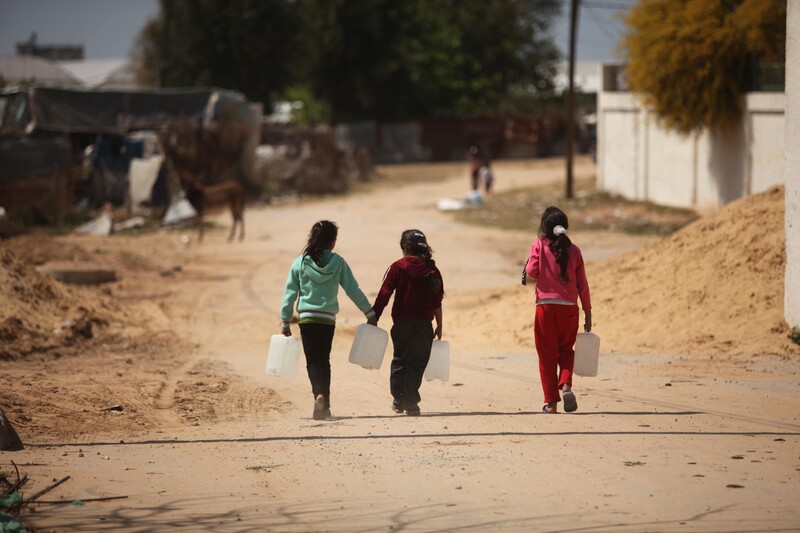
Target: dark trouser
[317, 340]
[412, 341]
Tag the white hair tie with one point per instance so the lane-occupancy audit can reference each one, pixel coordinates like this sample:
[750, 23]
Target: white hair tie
[559, 230]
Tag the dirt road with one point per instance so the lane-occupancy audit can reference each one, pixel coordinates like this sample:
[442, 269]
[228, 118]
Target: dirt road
[653, 447]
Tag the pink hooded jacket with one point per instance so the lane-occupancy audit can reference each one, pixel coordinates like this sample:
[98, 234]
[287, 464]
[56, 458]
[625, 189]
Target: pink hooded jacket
[543, 267]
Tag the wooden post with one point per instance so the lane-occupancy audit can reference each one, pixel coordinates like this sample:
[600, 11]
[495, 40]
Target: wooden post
[573, 31]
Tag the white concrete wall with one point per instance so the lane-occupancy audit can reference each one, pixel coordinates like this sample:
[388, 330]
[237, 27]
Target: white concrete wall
[639, 159]
[670, 170]
[791, 306]
[619, 115]
[767, 133]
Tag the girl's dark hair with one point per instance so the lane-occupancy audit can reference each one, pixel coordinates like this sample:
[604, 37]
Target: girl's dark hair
[322, 235]
[414, 242]
[558, 244]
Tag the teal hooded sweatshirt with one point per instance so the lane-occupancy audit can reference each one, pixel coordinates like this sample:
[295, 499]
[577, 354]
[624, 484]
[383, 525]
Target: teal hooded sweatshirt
[315, 288]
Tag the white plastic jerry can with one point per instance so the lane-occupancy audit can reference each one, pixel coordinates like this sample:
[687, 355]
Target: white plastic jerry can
[587, 354]
[439, 363]
[283, 356]
[369, 346]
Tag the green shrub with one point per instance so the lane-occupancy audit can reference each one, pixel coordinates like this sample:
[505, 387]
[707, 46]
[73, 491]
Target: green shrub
[689, 58]
[794, 335]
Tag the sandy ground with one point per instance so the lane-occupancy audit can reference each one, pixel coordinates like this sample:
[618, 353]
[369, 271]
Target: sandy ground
[662, 441]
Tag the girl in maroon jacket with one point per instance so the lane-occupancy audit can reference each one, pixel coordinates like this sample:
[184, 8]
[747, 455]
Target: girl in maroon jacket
[419, 289]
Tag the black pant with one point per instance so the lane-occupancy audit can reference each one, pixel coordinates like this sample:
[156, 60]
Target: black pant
[317, 340]
[474, 180]
[412, 341]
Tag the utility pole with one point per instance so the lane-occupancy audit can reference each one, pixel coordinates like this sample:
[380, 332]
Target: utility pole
[573, 33]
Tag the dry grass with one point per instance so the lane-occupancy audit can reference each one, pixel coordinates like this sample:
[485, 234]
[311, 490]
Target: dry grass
[590, 209]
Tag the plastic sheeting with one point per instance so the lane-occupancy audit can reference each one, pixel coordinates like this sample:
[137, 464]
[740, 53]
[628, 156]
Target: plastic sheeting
[141, 177]
[178, 212]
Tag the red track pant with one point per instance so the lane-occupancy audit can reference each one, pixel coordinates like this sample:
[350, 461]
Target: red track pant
[554, 330]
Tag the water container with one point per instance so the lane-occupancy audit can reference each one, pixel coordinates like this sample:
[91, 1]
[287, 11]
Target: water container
[587, 354]
[284, 354]
[369, 346]
[439, 364]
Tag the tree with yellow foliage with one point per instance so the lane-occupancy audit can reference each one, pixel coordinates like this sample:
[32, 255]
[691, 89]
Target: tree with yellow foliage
[689, 58]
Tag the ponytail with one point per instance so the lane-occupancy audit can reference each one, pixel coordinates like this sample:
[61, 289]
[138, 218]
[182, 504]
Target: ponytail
[554, 227]
[321, 238]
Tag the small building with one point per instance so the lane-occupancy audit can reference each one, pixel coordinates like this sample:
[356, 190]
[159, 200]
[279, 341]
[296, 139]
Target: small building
[28, 70]
[117, 74]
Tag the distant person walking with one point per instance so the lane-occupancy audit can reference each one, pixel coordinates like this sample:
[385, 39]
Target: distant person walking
[475, 164]
[418, 291]
[313, 282]
[557, 266]
[486, 176]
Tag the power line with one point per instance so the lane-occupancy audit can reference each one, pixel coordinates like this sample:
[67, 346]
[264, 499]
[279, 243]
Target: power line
[605, 5]
[601, 25]
[599, 4]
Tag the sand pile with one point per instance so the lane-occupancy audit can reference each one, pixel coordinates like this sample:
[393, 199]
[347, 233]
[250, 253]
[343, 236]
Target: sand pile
[714, 287]
[38, 313]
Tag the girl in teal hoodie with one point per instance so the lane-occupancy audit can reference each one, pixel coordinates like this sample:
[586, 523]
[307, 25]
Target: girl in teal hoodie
[313, 282]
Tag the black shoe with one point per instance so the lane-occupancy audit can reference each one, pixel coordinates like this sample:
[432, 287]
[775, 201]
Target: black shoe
[397, 406]
[413, 411]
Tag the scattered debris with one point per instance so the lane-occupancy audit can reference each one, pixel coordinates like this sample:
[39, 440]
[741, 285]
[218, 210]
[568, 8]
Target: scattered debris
[12, 501]
[81, 501]
[449, 204]
[171, 271]
[135, 222]
[46, 490]
[307, 160]
[179, 211]
[101, 225]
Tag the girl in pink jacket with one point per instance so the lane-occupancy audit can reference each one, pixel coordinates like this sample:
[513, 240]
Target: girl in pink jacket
[557, 266]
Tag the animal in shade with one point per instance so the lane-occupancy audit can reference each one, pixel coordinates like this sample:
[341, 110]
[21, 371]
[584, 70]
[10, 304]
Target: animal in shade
[202, 197]
[196, 155]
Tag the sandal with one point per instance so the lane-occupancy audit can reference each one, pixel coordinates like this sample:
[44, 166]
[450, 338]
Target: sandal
[545, 410]
[570, 402]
